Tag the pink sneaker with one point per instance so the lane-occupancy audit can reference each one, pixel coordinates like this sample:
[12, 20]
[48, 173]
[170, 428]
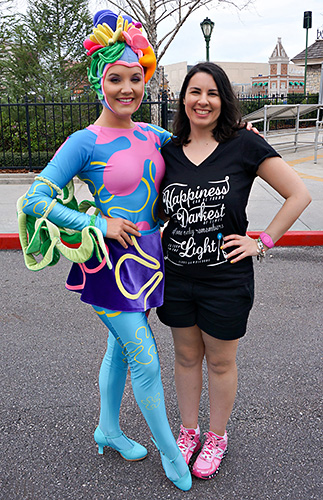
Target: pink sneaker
[208, 462]
[188, 442]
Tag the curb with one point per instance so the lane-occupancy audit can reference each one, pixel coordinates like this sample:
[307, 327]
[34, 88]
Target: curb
[27, 178]
[10, 241]
[296, 238]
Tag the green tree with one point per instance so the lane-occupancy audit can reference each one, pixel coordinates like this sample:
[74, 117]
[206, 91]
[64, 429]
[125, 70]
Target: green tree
[59, 28]
[20, 65]
[46, 54]
[7, 20]
[6, 15]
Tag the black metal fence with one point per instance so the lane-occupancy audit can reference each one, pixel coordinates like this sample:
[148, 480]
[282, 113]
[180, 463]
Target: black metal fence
[249, 103]
[32, 130]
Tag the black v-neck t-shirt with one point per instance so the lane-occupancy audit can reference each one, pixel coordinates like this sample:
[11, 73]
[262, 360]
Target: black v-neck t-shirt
[208, 201]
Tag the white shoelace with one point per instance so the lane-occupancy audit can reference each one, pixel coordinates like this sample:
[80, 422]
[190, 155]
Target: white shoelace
[211, 449]
[185, 440]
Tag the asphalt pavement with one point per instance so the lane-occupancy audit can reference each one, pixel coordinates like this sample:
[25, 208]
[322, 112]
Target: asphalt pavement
[52, 346]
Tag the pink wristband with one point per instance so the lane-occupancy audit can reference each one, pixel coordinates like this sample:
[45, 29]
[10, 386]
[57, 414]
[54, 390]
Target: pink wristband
[267, 240]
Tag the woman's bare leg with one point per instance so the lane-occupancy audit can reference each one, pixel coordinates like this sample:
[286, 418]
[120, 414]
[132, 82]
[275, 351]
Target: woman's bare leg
[189, 354]
[223, 379]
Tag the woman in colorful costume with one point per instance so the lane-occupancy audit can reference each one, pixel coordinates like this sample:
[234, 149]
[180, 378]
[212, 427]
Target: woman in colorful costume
[121, 163]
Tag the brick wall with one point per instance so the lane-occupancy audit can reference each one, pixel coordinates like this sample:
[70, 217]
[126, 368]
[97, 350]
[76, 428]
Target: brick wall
[273, 69]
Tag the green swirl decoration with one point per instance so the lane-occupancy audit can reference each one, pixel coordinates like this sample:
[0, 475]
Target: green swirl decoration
[106, 55]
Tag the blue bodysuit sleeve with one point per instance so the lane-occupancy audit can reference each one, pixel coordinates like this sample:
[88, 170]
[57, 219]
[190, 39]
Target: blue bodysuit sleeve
[69, 160]
[164, 135]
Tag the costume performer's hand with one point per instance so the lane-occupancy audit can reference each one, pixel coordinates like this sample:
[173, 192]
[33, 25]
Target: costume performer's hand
[245, 246]
[120, 230]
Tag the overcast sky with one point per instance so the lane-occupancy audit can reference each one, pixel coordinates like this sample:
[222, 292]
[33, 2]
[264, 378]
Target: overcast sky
[246, 36]
[250, 35]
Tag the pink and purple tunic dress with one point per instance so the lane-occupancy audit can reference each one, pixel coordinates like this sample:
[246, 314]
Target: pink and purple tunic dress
[123, 169]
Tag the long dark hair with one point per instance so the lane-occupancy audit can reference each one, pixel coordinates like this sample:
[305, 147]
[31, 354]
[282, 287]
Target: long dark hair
[230, 118]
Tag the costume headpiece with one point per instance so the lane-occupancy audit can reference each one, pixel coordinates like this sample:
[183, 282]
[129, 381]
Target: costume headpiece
[117, 40]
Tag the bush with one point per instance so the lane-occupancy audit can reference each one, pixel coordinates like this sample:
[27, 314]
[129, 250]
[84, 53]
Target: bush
[40, 128]
[142, 114]
[13, 160]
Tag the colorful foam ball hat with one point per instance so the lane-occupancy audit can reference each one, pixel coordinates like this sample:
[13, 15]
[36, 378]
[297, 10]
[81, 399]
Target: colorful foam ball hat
[116, 40]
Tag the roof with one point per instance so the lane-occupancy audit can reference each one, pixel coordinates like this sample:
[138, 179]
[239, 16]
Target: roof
[279, 51]
[314, 51]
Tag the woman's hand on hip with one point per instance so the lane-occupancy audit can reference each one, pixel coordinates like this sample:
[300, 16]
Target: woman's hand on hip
[244, 247]
[120, 230]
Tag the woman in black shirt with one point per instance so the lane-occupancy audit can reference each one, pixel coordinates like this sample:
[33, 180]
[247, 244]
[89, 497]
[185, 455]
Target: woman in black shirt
[211, 164]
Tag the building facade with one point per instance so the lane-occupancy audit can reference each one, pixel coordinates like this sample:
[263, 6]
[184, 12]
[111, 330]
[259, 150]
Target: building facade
[278, 77]
[239, 74]
[283, 77]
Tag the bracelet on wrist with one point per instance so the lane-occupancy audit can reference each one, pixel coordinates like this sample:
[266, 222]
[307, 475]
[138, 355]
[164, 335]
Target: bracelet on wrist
[267, 240]
[261, 252]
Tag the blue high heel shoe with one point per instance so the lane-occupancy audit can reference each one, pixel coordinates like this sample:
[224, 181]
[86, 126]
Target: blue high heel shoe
[176, 470]
[128, 449]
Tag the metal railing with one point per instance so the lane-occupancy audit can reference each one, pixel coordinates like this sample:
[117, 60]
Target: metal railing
[250, 103]
[32, 129]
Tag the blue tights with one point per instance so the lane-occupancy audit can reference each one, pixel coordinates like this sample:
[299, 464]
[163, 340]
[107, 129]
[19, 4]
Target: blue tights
[133, 344]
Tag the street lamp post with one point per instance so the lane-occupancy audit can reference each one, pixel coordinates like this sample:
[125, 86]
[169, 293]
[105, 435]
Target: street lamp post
[207, 27]
[307, 23]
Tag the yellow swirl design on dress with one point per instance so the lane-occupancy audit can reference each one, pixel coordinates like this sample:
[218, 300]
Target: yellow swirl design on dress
[151, 263]
[30, 194]
[109, 315]
[109, 199]
[154, 202]
[137, 348]
[88, 181]
[151, 402]
[150, 172]
[41, 184]
[40, 203]
[24, 205]
[133, 211]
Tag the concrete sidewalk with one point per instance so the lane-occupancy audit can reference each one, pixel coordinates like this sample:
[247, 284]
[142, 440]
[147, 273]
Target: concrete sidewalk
[263, 204]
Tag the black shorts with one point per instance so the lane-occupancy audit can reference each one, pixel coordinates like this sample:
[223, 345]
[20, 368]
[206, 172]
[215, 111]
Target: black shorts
[220, 310]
